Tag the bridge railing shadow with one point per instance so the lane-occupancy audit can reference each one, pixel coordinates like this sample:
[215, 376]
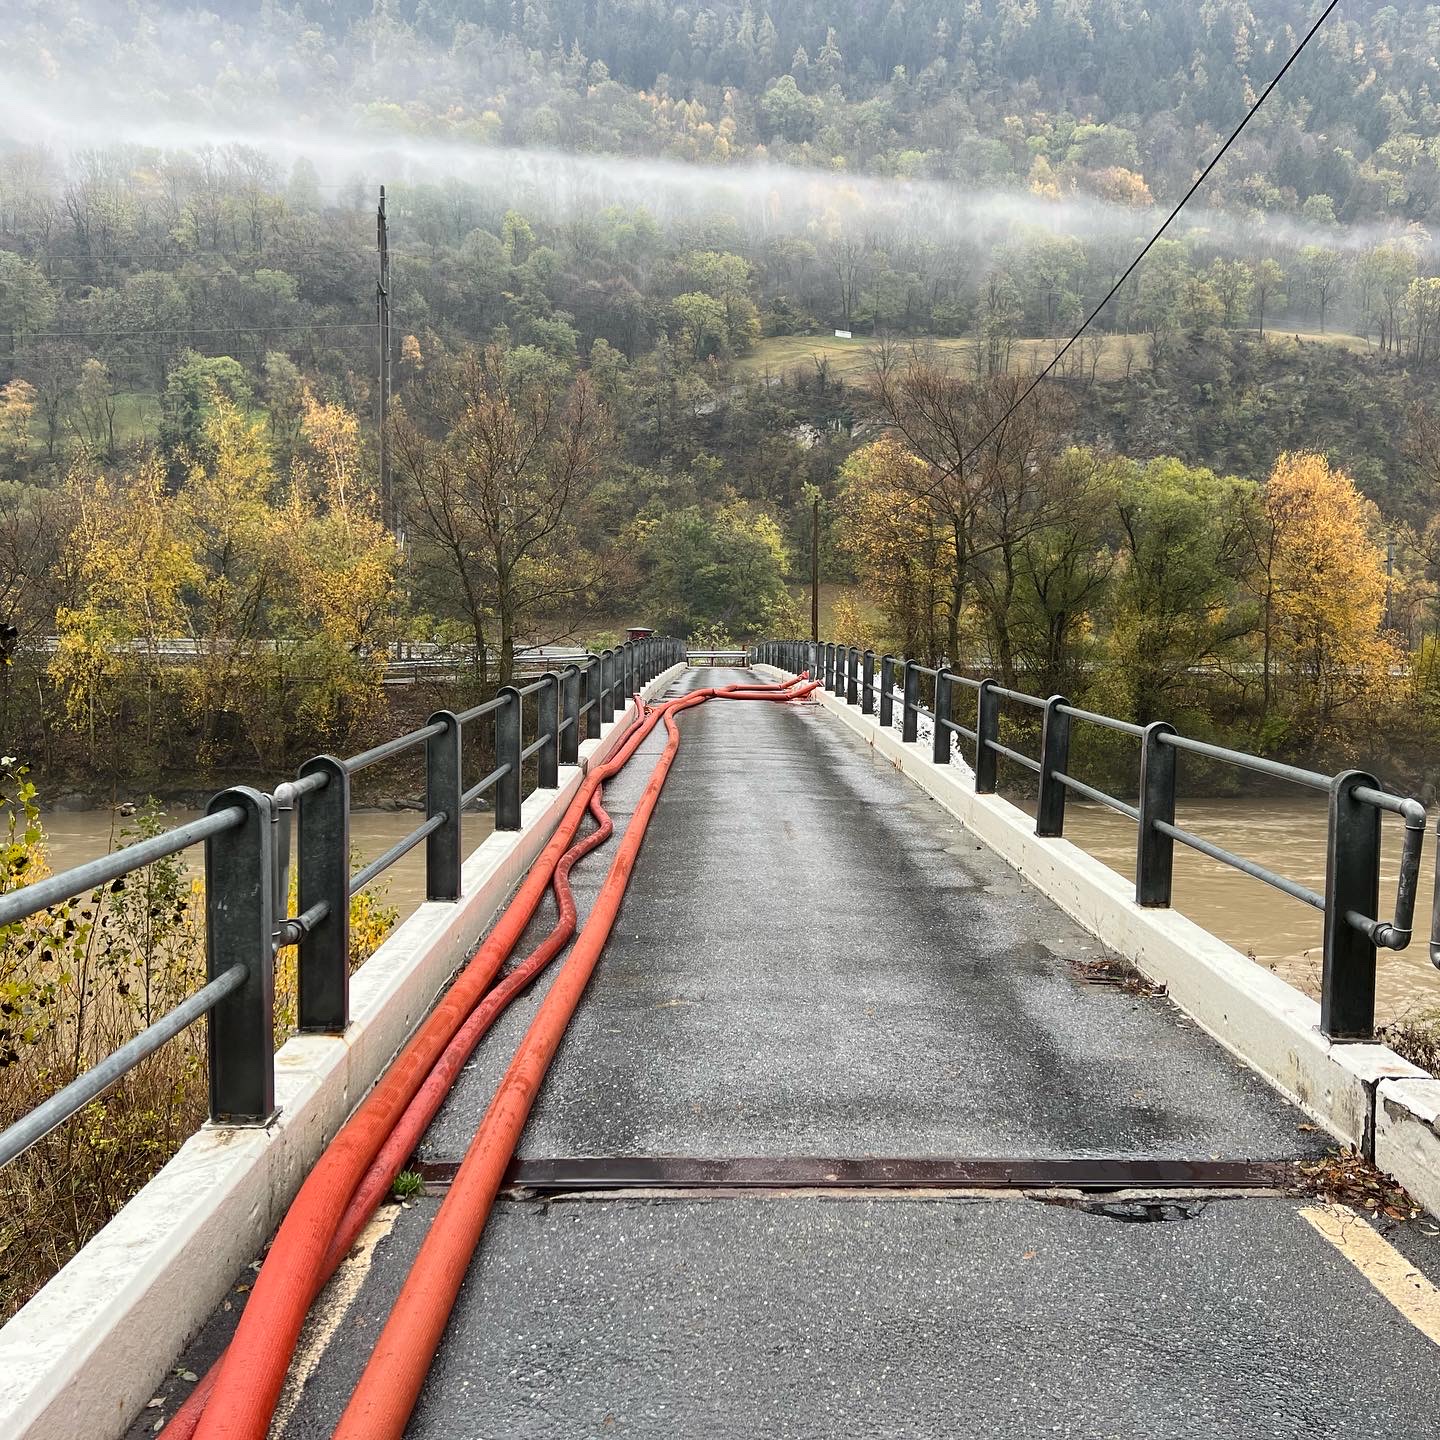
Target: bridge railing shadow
[1350, 904]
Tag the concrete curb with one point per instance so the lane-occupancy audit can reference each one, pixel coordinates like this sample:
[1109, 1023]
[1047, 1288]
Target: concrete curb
[1365, 1095]
[85, 1354]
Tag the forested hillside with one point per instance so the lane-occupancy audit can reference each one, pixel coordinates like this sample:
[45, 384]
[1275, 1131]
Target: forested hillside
[622, 236]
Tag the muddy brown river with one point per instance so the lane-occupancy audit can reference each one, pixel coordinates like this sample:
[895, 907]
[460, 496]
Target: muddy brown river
[78, 835]
[1281, 933]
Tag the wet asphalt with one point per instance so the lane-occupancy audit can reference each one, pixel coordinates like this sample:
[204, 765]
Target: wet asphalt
[814, 959]
[825, 1317]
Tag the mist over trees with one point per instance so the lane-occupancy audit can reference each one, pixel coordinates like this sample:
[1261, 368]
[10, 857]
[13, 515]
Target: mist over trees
[621, 237]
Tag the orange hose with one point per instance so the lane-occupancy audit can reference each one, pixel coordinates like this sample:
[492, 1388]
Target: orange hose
[428, 1099]
[386, 1394]
[253, 1369]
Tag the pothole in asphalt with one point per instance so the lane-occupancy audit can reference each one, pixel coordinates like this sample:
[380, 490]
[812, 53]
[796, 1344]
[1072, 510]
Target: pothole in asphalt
[1130, 1212]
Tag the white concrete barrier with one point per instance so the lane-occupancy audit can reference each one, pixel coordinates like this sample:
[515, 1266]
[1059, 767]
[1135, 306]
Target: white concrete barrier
[1364, 1094]
[82, 1358]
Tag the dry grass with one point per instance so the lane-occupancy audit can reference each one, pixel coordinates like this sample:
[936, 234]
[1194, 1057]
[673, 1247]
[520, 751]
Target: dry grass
[75, 984]
[851, 359]
[1416, 1038]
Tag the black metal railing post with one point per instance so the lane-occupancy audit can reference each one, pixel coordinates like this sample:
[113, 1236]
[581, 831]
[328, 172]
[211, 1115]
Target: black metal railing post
[1155, 850]
[590, 696]
[607, 686]
[240, 929]
[852, 677]
[547, 730]
[570, 715]
[442, 798]
[887, 691]
[1054, 759]
[987, 730]
[941, 740]
[323, 879]
[867, 683]
[509, 790]
[1352, 887]
[909, 714]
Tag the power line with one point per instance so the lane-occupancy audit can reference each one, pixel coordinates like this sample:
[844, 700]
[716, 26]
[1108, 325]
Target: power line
[1110, 294]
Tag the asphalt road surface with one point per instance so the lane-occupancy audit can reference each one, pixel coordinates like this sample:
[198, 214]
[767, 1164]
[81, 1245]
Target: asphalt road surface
[814, 960]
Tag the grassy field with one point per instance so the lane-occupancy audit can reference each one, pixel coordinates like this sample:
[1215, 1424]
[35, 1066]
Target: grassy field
[850, 359]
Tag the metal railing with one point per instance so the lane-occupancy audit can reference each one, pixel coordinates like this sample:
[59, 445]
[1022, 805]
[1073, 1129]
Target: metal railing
[1352, 929]
[246, 835]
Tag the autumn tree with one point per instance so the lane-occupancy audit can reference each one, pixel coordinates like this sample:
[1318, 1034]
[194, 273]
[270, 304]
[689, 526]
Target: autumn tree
[223, 515]
[498, 449]
[338, 569]
[17, 406]
[1325, 593]
[112, 636]
[892, 537]
[988, 470]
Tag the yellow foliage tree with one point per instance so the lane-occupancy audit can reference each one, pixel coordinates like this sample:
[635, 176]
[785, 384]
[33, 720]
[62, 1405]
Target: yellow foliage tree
[339, 565]
[17, 405]
[223, 514]
[133, 576]
[895, 542]
[232, 589]
[1324, 593]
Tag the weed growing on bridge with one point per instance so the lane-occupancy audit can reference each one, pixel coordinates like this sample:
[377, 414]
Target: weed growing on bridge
[1417, 1039]
[407, 1184]
[75, 984]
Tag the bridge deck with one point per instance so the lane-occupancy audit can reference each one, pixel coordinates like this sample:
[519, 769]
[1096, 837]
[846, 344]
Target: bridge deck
[815, 960]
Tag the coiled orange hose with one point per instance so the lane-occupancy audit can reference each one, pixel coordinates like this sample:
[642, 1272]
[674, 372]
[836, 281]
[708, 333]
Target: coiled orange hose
[253, 1369]
[390, 1385]
[427, 1101]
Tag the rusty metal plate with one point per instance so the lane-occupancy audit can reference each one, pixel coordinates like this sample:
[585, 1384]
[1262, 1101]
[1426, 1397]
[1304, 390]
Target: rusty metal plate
[803, 1172]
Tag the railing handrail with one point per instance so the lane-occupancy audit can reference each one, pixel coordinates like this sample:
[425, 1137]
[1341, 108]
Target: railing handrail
[247, 838]
[27, 900]
[1352, 934]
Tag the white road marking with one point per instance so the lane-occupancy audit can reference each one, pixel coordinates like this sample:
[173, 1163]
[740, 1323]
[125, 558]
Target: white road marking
[328, 1312]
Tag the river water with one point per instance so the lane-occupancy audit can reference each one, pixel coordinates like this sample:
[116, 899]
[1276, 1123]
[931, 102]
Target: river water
[74, 836]
[1287, 835]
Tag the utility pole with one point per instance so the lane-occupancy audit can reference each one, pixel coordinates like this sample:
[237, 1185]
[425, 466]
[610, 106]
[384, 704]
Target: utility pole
[382, 314]
[814, 562]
